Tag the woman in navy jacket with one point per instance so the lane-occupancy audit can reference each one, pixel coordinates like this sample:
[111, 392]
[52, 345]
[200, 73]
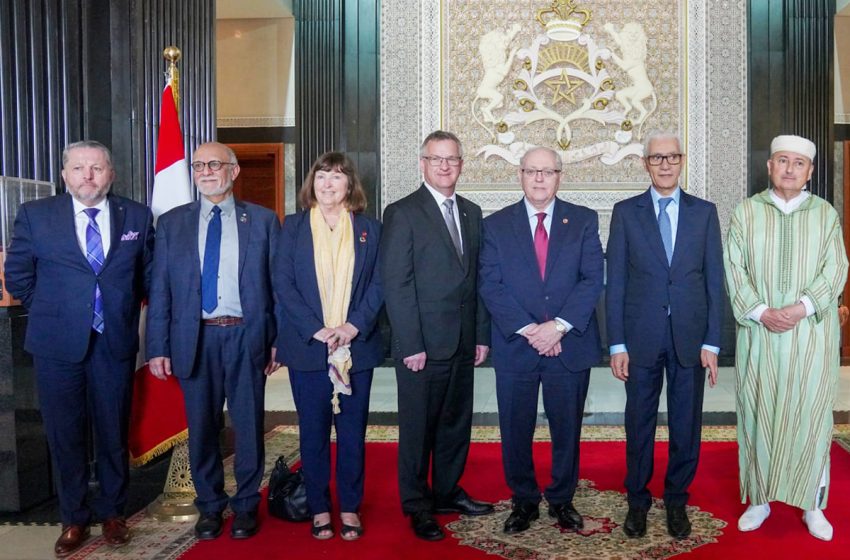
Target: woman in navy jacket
[330, 295]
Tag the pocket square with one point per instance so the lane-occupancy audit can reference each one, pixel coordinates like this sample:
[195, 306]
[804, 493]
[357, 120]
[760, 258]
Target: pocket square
[130, 236]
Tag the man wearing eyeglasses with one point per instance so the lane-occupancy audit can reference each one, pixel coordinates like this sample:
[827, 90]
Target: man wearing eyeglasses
[541, 277]
[440, 331]
[211, 324]
[664, 304]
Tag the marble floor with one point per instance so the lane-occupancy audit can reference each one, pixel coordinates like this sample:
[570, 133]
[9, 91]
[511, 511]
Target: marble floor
[605, 403]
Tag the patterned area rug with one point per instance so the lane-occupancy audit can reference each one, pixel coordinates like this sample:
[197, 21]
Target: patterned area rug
[166, 541]
[602, 536]
[603, 511]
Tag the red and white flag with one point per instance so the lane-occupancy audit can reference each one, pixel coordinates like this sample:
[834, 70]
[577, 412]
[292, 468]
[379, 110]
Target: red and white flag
[158, 416]
[171, 185]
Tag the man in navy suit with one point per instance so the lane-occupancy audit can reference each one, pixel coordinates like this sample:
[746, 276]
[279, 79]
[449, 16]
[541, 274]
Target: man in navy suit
[211, 324]
[664, 304]
[80, 263]
[541, 275]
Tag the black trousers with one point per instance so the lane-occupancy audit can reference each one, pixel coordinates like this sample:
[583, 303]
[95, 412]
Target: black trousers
[434, 428]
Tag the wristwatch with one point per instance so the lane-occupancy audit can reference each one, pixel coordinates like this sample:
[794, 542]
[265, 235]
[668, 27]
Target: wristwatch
[559, 326]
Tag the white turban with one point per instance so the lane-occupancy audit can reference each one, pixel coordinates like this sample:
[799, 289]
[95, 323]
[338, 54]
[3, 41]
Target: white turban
[796, 144]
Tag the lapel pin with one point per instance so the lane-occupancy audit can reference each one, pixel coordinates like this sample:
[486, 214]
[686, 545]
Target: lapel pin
[363, 237]
[243, 218]
[565, 221]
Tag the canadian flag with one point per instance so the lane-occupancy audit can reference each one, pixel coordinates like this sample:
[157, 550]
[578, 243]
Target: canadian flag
[158, 416]
[171, 184]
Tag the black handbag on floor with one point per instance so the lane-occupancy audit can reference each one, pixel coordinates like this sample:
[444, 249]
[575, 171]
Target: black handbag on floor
[287, 494]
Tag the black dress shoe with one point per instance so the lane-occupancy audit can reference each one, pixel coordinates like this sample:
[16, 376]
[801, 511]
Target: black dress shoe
[635, 525]
[465, 505]
[208, 526]
[678, 524]
[425, 526]
[568, 517]
[521, 517]
[244, 525]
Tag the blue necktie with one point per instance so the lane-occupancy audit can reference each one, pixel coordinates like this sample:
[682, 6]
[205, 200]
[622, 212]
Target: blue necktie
[212, 256]
[665, 227]
[94, 254]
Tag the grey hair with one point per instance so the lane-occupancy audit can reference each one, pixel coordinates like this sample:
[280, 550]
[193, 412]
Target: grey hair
[93, 144]
[230, 153]
[661, 136]
[558, 161]
[437, 136]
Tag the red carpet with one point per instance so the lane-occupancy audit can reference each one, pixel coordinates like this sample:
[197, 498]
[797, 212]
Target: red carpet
[388, 534]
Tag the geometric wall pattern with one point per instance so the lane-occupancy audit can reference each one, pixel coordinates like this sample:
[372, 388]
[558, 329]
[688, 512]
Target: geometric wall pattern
[696, 58]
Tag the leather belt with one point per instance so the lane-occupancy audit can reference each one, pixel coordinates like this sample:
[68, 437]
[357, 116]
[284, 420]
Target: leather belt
[222, 321]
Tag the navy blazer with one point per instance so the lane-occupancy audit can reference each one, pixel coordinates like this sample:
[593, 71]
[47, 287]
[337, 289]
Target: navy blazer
[47, 271]
[301, 307]
[515, 295]
[641, 284]
[174, 312]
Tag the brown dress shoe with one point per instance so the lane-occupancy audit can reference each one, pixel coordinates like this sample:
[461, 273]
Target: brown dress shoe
[115, 532]
[72, 538]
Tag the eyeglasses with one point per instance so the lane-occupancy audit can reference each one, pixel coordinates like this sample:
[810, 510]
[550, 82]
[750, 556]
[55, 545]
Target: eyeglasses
[436, 161]
[532, 173]
[656, 159]
[214, 165]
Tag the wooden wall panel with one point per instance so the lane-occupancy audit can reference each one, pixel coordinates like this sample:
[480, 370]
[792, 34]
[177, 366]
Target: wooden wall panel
[337, 90]
[94, 69]
[791, 83]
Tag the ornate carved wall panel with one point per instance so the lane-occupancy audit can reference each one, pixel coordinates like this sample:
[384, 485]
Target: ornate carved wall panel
[588, 78]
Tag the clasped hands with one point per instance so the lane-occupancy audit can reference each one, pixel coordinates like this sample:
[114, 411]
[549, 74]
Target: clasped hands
[336, 336]
[784, 319]
[544, 337]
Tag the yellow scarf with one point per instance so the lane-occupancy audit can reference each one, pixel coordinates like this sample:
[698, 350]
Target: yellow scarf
[333, 253]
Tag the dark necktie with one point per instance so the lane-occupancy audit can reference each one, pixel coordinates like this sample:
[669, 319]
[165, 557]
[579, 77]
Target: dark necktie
[94, 254]
[541, 243]
[449, 216]
[212, 256]
[665, 227]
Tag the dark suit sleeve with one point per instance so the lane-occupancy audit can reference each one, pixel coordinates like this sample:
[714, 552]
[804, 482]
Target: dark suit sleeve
[147, 253]
[363, 313]
[581, 302]
[273, 232]
[482, 314]
[506, 312]
[293, 306]
[713, 270]
[615, 294]
[157, 333]
[20, 266]
[400, 282]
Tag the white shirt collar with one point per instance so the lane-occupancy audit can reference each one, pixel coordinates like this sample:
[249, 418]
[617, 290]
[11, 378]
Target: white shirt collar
[440, 197]
[103, 205]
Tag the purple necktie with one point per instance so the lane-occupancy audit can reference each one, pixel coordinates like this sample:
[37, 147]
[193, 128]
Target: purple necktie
[94, 254]
[541, 243]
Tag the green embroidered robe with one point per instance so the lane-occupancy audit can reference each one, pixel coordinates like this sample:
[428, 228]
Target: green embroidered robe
[786, 382]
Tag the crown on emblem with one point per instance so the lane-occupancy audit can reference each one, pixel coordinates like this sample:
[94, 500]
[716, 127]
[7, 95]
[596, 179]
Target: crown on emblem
[563, 20]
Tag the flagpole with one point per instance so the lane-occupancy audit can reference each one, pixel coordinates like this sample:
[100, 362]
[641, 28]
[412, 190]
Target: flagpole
[177, 501]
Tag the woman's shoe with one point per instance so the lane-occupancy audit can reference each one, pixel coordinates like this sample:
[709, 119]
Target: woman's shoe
[321, 531]
[351, 532]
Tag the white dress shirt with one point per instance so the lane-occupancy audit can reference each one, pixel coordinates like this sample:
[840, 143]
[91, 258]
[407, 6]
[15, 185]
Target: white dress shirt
[81, 223]
[440, 198]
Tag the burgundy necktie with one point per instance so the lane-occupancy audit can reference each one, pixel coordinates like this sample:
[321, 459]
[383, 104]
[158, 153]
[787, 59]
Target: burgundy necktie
[541, 243]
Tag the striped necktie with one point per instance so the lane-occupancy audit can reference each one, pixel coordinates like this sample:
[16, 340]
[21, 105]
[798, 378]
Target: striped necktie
[94, 254]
